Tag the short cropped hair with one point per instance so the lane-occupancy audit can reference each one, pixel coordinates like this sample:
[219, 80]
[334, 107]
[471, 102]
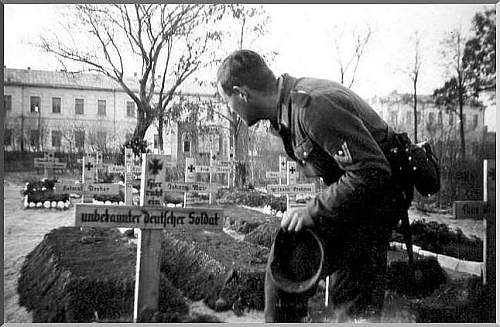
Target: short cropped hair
[245, 68]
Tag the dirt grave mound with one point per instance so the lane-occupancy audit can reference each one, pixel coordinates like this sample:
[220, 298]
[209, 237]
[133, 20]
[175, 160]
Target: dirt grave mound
[85, 275]
[245, 220]
[88, 274]
[225, 273]
[264, 234]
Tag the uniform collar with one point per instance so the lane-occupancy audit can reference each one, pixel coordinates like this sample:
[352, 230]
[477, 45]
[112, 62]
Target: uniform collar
[285, 85]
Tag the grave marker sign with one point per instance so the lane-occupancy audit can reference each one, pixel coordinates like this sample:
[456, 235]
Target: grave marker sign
[151, 219]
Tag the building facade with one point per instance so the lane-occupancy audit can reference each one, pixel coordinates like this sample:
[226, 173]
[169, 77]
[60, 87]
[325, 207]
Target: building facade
[61, 111]
[433, 122]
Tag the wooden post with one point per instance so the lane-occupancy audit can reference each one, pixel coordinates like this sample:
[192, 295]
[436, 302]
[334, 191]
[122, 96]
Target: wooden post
[189, 177]
[147, 275]
[48, 172]
[88, 174]
[211, 197]
[282, 168]
[489, 248]
[129, 176]
[155, 218]
[99, 166]
[291, 178]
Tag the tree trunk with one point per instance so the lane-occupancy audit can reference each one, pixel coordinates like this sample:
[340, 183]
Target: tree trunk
[22, 133]
[160, 134]
[144, 120]
[415, 122]
[241, 154]
[462, 133]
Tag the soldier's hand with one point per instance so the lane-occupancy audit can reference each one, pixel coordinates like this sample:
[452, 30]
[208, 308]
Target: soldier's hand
[295, 219]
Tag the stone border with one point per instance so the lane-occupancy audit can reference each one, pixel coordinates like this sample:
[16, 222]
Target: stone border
[464, 266]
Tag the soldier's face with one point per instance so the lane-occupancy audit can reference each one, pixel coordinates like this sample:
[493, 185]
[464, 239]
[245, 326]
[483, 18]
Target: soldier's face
[241, 105]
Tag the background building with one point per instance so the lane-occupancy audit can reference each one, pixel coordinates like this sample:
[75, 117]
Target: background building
[434, 123]
[68, 112]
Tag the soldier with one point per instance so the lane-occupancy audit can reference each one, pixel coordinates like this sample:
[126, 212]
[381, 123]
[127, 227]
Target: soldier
[333, 134]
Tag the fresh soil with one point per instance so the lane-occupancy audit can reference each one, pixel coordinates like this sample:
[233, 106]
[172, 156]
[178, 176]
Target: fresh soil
[26, 229]
[244, 220]
[439, 238]
[215, 267]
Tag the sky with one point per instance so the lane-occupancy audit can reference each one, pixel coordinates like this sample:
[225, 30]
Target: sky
[303, 36]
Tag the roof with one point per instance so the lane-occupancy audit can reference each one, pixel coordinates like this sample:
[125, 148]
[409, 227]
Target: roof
[64, 79]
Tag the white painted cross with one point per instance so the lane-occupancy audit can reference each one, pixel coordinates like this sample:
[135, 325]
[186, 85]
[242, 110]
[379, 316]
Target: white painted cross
[282, 169]
[190, 179]
[291, 189]
[89, 186]
[89, 173]
[151, 217]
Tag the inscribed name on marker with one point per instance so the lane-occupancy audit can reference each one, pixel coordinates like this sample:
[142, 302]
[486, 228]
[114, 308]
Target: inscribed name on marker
[149, 217]
[291, 189]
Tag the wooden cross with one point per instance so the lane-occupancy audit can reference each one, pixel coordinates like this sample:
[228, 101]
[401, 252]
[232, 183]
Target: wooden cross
[190, 178]
[151, 217]
[49, 163]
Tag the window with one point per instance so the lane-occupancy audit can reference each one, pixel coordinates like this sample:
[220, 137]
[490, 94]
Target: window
[156, 141]
[56, 138]
[34, 138]
[474, 121]
[450, 120]
[56, 105]
[431, 118]
[394, 118]
[7, 102]
[101, 107]
[35, 104]
[101, 137]
[130, 109]
[187, 146]
[440, 118]
[7, 137]
[79, 106]
[80, 139]
[409, 116]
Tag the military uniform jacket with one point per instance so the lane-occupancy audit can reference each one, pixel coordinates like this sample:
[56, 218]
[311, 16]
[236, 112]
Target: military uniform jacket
[334, 134]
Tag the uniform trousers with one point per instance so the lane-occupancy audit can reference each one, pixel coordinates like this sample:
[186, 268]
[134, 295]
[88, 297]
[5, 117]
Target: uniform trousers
[355, 260]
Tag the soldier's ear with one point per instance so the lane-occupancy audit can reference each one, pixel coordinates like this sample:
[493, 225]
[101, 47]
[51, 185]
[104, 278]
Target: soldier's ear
[241, 92]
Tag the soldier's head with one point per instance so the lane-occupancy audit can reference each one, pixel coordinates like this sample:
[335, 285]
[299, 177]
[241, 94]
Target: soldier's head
[247, 85]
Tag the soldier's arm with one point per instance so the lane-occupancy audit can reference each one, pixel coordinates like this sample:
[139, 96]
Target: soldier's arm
[344, 137]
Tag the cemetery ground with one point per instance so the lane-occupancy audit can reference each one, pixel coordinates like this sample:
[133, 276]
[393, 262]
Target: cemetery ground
[24, 230]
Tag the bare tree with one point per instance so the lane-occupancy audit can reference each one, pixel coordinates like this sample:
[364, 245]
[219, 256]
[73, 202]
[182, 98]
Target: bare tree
[348, 58]
[453, 93]
[168, 41]
[414, 73]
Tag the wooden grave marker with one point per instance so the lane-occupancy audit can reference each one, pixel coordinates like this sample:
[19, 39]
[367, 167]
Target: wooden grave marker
[282, 169]
[489, 248]
[89, 186]
[190, 178]
[150, 217]
[89, 173]
[291, 189]
[49, 163]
